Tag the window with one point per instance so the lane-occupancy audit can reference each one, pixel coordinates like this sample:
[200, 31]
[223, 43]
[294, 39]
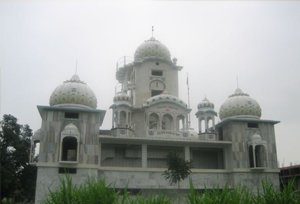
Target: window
[71, 115]
[157, 73]
[252, 125]
[180, 122]
[251, 158]
[257, 156]
[63, 170]
[153, 121]
[122, 119]
[155, 92]
[260, 155]
[69, 149]
[167, 122]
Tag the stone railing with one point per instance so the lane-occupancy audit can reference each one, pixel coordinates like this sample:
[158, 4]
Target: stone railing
[165, 133]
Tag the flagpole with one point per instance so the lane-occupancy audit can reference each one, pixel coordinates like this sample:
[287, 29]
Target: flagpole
[188, 89]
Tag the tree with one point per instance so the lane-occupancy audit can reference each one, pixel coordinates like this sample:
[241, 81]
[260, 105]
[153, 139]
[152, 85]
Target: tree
[17, 175]
[178, 168]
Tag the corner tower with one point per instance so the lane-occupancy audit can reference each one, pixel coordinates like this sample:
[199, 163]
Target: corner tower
[68, 136]
[253, 140]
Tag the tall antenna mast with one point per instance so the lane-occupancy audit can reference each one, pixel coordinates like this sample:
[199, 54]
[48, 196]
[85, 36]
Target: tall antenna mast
[237, 81]
[152, 31]
[188, 89]
[76, 66]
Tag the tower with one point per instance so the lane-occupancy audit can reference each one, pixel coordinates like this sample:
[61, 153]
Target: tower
[253, 139]
[151, 78]
[68, 136]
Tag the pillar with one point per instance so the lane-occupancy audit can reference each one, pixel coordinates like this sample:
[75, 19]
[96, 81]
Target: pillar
[144, 155]
[187, 155]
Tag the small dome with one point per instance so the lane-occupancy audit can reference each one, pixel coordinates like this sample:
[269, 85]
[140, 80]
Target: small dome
[206, 104]
[70, 130]
[122, 98]
[38, 135]
[240, 104]
[256, 137]
[152, 49]
[165, 98]
[73, 91]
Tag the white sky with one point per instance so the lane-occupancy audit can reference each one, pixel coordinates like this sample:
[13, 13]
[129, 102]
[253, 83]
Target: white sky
[214, 42]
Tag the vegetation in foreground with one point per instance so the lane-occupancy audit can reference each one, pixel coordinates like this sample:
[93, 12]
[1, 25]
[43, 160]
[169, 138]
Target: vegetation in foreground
[17, 175]
[99, 192]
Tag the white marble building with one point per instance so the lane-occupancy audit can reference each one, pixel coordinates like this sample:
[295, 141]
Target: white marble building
[149, 120]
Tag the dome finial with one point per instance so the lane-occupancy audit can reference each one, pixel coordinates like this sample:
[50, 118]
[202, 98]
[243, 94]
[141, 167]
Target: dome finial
[237, 81]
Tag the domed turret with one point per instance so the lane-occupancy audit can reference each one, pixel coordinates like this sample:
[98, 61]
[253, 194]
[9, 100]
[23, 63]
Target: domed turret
[206, 114]
[122, 98]
[152, 49]
[73, 92]
[205, 104]
[240, 104]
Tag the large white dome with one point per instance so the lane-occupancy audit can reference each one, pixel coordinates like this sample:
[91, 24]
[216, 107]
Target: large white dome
[240, 104]
[152, 49]
[73, 92]
[165, 98]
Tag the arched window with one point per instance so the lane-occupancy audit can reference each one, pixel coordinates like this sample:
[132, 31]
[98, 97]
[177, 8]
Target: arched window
[167, 122]
[35, 149]
[69, 149]
[69, 144]
[251, 158]
[202, 126]
[210, 123]
[115, 118]
[257, 156]
[153, 121]
[260, 155]
[122, 119]
[180, 122]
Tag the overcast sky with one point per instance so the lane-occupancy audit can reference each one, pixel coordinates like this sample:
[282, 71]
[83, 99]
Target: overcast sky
[213, 41]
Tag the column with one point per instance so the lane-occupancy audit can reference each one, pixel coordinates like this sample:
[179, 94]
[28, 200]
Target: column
[253, 153]
[199, 125]
[159, 123]
[118, 118]
[99, 154]
[187, 155]
[206, 124]
[144, 155]
[113, 119]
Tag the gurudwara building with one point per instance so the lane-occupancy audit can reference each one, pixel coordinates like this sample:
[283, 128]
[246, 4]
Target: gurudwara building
[149, 121]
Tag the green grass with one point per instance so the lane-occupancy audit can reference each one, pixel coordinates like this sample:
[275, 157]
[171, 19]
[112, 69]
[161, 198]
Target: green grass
[93, 191]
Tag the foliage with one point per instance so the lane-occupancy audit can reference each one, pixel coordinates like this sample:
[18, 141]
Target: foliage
[242, 195]
[17, 176]
[91, 192]
[97, 192]
[178, 168]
